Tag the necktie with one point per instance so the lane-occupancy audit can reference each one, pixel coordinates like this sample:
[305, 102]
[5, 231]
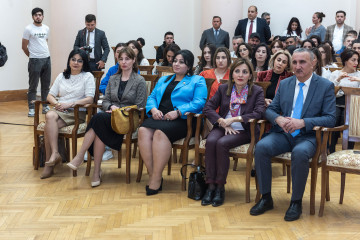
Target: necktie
[216, 34]
[298, 107]
[250, 29]
[88, 43]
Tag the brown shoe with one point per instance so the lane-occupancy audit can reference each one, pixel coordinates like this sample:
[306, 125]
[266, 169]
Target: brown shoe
[57, 160]
[47, 172]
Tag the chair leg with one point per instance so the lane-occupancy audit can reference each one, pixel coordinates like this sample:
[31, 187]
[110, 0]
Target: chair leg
[175, 155]
[324, 185]
[169, 166]
[342, 187]
[140, 168]
[36, 152]
[119, 158]
[135, 150]
[74, 151]
[247, 179]
[128, 160]
[284, 169]
[184, 162]
[88, 164]
[314, 172]
[235, 163]
[201, 159]
[327, 186]
[288, 177]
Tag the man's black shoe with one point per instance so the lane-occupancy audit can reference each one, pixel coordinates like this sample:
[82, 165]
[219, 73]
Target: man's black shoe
[294, 211]
[262, 206]
[219, 197]
[208, 197]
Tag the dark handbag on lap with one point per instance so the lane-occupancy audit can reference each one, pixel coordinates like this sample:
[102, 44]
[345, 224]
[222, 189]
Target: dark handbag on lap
[197, 185]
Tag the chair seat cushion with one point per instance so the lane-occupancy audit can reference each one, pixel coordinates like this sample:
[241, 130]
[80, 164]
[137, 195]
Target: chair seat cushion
[65, 130]
[239, 149]
[345, 159]
[287, 156]
[181, 141]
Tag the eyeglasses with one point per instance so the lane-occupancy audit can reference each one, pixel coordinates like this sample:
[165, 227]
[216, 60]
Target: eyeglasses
[74, 60]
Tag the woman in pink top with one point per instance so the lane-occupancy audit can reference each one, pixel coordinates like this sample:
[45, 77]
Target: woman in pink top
[222, 61]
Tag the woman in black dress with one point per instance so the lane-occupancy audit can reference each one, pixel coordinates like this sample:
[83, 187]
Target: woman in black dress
[171, 98]
[125, 88]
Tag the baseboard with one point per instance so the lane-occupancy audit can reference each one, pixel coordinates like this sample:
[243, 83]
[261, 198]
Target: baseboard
[13, 95]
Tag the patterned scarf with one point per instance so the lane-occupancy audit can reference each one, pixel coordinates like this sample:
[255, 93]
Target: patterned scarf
[237, 99]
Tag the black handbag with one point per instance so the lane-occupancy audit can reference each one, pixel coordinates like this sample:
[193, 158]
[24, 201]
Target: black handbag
[197, 185]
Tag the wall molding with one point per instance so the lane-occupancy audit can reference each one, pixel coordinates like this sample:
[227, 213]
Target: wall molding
[13, 95]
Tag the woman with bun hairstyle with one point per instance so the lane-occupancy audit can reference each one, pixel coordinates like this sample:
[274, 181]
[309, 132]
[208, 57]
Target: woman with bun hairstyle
[318, 29]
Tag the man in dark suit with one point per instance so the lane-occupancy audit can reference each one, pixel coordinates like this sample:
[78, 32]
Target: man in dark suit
[252, 24]
[96, 39]
[302, 102]
[215, 35]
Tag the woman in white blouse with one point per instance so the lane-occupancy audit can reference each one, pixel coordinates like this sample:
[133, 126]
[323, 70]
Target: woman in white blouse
[294, 30]
[74, 86]
[346, 77]
[140, 59]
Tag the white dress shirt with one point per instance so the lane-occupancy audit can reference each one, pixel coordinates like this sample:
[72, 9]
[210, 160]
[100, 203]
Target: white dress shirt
[91, 42]
[337, 37]
[248, 28]
[305, 89]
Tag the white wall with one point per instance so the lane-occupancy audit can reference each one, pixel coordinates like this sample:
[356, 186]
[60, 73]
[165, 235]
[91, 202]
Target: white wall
[282, 11]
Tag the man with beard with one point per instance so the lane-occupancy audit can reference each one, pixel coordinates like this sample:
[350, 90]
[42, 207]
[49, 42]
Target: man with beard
[34, 45]
[337, 32]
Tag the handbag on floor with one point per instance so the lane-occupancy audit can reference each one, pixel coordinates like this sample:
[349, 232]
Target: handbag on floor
[120, 120]
[197, 185]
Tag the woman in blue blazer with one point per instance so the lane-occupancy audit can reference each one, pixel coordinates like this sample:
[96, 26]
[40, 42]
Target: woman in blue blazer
[166, 106]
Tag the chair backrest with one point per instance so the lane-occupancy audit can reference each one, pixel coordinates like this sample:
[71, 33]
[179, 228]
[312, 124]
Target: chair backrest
[151, 61]
[164, 71]
[209, 83]
[338, 59]
[113, 48]
[334, 69]
[150, 82]
[264, 85]
[146, 70]
[156, 47]
[352, 115]
[97, 76]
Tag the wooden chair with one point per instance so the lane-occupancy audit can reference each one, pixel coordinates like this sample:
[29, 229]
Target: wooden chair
[344, 161]
[164, 71]
[156, 48]
[146, 70]
[113, 48]
[334, 69]
[72, 132]
[151, 61]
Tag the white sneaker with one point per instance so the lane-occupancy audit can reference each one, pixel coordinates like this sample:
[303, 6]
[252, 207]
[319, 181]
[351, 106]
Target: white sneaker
[45, 109]
[107, 155]
[31, 112]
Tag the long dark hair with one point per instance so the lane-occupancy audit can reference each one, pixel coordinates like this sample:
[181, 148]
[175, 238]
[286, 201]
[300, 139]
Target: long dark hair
[131, 54]
[212, 48]
[173, 48]
[318, 68]
[85, 67]
[140, 55]
[253, 59]
[298, 29]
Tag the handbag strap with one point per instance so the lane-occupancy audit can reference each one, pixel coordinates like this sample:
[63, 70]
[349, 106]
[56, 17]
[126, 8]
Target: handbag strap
[202, 168]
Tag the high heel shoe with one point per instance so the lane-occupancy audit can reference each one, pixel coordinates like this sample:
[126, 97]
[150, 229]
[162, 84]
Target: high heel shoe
[72, 166]
[57, 160]
[47, 172]
[96, 183]
[150, 191]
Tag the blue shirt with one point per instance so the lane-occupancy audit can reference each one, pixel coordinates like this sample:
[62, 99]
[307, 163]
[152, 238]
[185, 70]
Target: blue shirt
[105, 80]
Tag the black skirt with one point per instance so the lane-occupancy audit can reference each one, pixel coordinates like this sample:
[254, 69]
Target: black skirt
[101, 124]
[174, 130]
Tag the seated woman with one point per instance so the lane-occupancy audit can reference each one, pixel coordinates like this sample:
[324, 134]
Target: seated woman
[294, 30]
[329, 43]
[140, 59]
[244, 51]
[276, 46]
[260, 57]
[76, 85]
[326, 57]
[206, 60]
[222, 61]
[280, 68]
[308, 43]
[319, 69]
[346, 77]
[316, 39]
[125, 88]
[239, 101]
[171, 98]
[114, 69]
[169, 53]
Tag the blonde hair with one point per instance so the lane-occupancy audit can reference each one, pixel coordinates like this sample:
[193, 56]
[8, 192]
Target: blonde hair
[287, 54]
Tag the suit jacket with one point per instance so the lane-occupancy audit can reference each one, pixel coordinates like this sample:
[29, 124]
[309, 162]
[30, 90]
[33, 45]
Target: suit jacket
[134, 93]
[318, 109]
[189, 95]
[253, 108]
[223, 39]
[330, 32]
[262, 28]
[101, 44]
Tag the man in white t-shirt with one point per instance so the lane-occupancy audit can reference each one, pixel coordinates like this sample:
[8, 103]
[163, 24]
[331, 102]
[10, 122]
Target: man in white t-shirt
[34, 45]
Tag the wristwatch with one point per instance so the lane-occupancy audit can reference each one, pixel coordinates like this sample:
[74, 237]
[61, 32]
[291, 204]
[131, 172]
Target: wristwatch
[239, 118]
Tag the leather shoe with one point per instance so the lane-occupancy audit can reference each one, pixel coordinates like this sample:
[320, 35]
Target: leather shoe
[262, 206]
[219, 197]
[294, 211]
[208, 197]
[150, 191]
